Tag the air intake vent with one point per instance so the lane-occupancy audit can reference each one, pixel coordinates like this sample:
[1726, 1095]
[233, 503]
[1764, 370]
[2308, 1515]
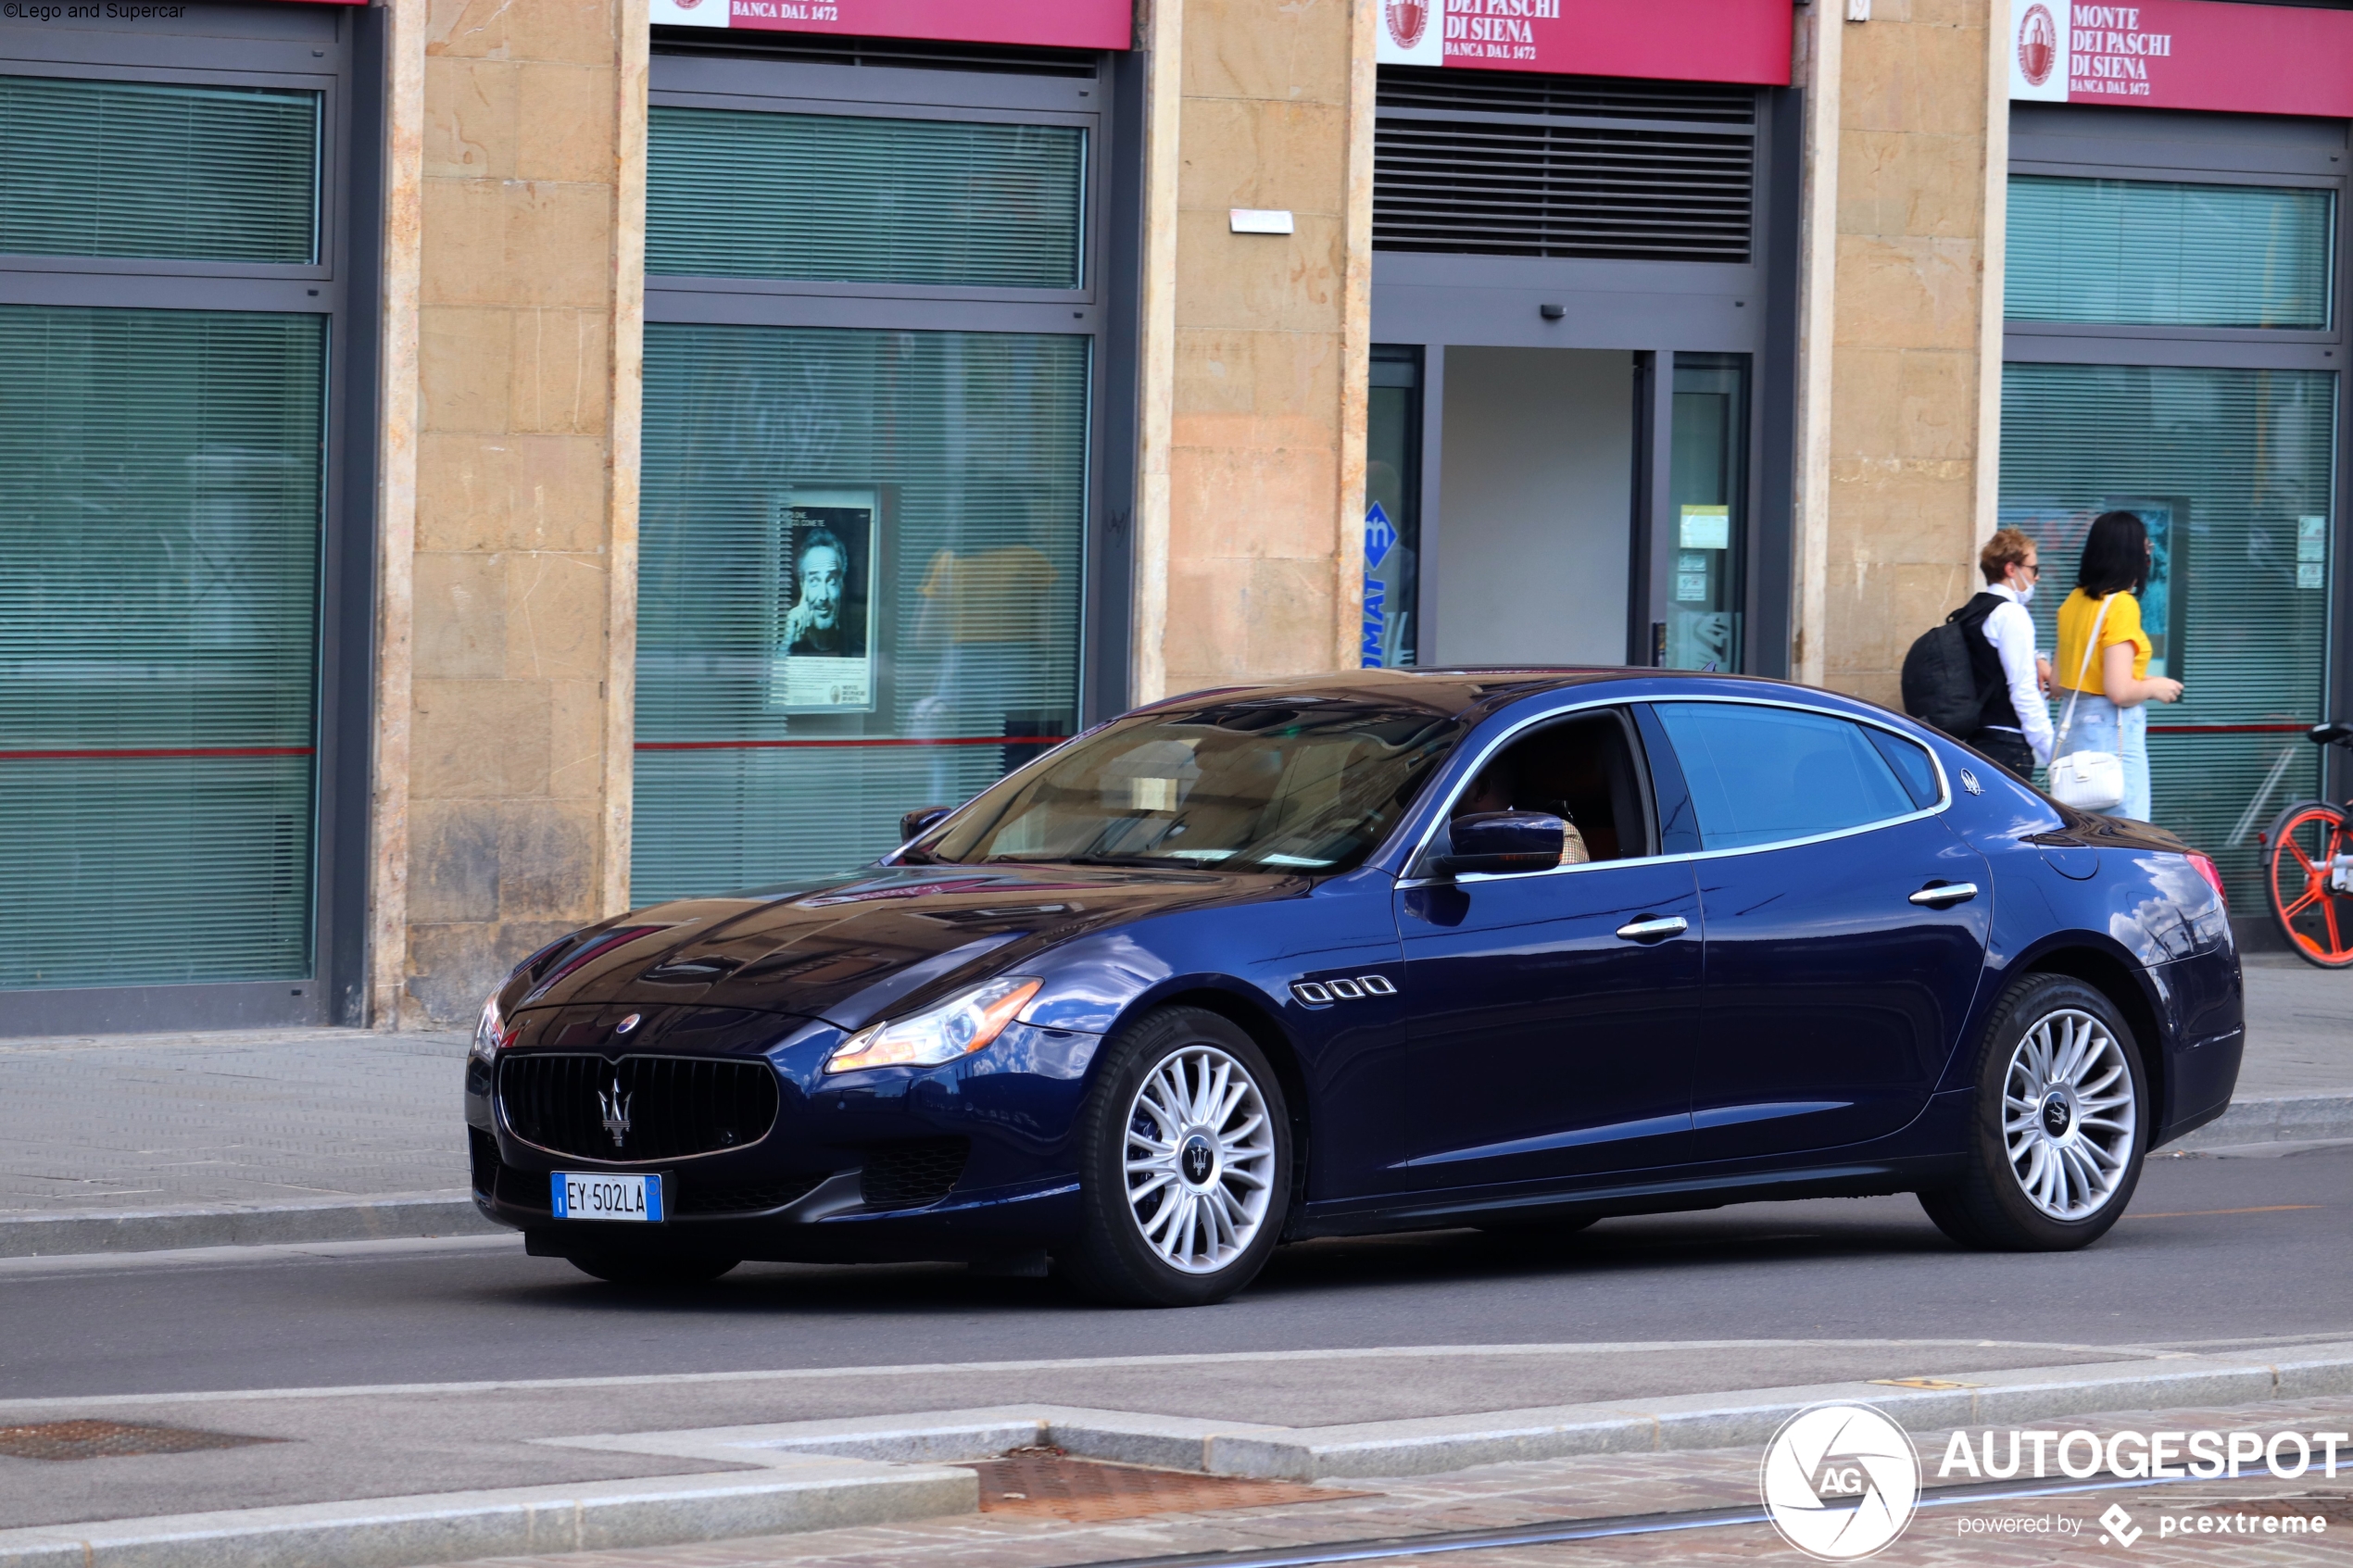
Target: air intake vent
[913, 1174]
[637, 1108]
[1493, 163]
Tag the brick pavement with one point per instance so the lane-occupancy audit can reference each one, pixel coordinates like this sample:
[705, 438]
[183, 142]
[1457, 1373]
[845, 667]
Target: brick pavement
[131, 1121]
[1497, 1497]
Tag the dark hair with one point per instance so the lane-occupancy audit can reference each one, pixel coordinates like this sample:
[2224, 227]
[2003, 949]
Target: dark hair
[2116, 555]
[821, 538]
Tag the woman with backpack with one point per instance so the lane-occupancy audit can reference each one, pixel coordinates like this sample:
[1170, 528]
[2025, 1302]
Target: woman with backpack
[2103, 663]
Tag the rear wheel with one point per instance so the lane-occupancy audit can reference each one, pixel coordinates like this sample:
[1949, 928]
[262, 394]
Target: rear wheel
[2300, 855]
[650, 1272]
[1184, 1164]
[2057, 1137]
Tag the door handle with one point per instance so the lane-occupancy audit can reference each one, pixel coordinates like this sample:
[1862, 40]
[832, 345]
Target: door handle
[1652, 930]
[1945, 893]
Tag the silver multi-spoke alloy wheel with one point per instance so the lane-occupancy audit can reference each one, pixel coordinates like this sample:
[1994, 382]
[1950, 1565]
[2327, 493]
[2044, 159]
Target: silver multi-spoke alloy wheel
[2067, 1114]
[1200, 1160]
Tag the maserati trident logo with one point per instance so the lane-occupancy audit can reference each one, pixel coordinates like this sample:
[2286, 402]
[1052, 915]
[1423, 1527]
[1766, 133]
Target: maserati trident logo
[615, 1107]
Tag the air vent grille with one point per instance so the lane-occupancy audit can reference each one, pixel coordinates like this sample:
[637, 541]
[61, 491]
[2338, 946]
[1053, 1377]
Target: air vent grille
[1563, 167]
[913, 1174]
[639, 1107]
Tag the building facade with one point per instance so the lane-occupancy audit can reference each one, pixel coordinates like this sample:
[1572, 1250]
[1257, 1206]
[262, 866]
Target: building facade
[468, 467]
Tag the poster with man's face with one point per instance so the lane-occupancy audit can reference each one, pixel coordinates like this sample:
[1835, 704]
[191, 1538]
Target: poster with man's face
[821, 655]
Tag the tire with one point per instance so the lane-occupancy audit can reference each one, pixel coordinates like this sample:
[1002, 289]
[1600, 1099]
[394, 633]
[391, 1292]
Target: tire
[1186, 1098]
[2056, 1054]
[2317, 922]
[654, 1272]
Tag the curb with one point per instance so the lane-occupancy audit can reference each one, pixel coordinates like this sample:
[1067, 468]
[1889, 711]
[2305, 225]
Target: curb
[877, 1470]
[400, 1214]
[461, 1526]
[1442, 1444]
[2275, 1119]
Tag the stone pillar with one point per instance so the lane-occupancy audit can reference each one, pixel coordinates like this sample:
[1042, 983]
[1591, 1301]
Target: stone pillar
[1910, 445]
[1266, 471]
[531, 279]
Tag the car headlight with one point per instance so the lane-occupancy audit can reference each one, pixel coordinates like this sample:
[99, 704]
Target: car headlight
[957, 1027]
[491, 1033]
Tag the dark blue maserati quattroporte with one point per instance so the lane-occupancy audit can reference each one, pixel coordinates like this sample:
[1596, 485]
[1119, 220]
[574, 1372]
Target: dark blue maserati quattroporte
[1514, 949]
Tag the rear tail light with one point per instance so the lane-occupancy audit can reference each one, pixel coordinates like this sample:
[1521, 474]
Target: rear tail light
[2204, 868]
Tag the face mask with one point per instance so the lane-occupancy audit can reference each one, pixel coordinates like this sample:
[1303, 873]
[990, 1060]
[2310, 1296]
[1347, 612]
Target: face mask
[2025, 593]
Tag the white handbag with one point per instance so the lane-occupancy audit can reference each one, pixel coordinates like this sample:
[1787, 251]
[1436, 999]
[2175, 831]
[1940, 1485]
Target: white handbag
[2089, 780]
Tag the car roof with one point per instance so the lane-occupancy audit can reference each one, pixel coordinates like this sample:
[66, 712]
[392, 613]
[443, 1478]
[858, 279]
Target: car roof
[1466, 690]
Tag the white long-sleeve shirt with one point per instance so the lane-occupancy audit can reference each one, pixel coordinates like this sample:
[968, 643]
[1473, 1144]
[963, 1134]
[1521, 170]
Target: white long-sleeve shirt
[2011, 630]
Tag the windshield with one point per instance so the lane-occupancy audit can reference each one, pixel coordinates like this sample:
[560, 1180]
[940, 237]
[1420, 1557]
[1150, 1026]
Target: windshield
[1286, 784]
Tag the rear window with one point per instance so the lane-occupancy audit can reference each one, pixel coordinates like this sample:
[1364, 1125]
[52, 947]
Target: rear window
[1764, 775]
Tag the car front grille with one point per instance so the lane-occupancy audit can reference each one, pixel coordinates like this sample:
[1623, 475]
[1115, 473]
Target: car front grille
[912, 1174]
[639, 1108]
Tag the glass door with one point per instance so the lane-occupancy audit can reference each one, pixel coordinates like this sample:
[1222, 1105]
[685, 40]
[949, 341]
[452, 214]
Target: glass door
[1707, 513]
[1393, 507]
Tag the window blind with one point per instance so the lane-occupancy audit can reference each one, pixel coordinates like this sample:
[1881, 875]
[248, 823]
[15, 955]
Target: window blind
[145, 170]
[159, 523]
[2156, 253]
[2232, 471]
[158, 621]
[943, 475]
[838, 198]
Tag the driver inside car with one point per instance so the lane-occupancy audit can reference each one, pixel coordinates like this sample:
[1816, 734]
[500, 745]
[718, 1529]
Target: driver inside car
[1499, 788]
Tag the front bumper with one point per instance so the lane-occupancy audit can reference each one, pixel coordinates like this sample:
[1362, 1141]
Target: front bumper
[971, 1159]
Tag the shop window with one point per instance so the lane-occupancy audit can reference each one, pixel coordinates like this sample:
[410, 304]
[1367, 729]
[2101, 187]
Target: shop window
[859, 586]
[2160, 253]
[2232, 472]
[835, 198]
[159, 544]
[128, 169]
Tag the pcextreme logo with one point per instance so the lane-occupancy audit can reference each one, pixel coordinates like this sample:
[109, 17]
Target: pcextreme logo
[1840, 1482]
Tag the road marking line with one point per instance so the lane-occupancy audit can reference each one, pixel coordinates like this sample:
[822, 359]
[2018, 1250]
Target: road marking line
[2201, 1213]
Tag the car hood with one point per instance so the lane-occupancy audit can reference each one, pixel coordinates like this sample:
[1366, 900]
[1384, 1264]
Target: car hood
[848, 949]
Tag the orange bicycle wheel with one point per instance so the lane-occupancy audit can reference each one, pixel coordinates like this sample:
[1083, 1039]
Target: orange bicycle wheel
[2300, 856]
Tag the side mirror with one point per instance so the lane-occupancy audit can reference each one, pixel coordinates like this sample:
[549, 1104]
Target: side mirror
[915, 824]
[1489, 842]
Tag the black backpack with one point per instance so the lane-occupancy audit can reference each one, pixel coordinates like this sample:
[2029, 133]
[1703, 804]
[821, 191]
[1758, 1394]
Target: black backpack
[1940, 678]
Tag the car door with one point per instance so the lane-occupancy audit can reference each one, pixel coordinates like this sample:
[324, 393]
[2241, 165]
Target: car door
[1552, 1015]
[1847, 925]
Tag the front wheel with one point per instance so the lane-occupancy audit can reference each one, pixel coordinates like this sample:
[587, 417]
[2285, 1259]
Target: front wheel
[2057, 1137]
[1184, 1164]
[2301, 854]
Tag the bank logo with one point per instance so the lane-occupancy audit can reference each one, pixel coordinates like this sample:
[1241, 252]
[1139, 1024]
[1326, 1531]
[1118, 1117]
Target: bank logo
[1408, 19]
[2117, 1528]
[1840, 1482]
[2037, 45]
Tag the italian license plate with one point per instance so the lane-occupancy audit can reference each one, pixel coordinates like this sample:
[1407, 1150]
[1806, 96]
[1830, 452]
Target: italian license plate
[593, 1194]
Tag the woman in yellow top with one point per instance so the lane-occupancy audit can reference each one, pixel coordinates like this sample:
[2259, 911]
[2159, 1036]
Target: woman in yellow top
[2113, 682]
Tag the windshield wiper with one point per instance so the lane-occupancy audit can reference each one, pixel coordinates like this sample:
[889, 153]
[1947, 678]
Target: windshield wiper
[1147, 862]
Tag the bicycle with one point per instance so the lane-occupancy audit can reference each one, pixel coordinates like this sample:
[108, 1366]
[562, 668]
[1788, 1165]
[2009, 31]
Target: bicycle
[2308, 864]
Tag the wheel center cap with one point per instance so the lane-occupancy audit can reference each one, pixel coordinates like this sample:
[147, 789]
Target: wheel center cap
[2057, 1115]
[1198, 1159]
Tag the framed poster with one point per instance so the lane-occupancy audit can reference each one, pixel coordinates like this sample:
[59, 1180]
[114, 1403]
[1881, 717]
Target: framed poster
[2163, 600]
[822, 547]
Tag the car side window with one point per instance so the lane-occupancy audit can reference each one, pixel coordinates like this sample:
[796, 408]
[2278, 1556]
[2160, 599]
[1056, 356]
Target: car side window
[1912, 764]
[1763, 775]
[1583, 769]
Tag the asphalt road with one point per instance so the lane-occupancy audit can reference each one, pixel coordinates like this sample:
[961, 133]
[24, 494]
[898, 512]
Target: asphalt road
[2214, 1249]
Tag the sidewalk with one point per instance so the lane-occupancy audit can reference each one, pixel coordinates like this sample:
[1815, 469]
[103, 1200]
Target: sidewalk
[143, 1141]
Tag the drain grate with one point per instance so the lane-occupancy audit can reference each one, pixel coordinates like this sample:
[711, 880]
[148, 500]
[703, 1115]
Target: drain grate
[111, 1439]
[1049, 1484]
